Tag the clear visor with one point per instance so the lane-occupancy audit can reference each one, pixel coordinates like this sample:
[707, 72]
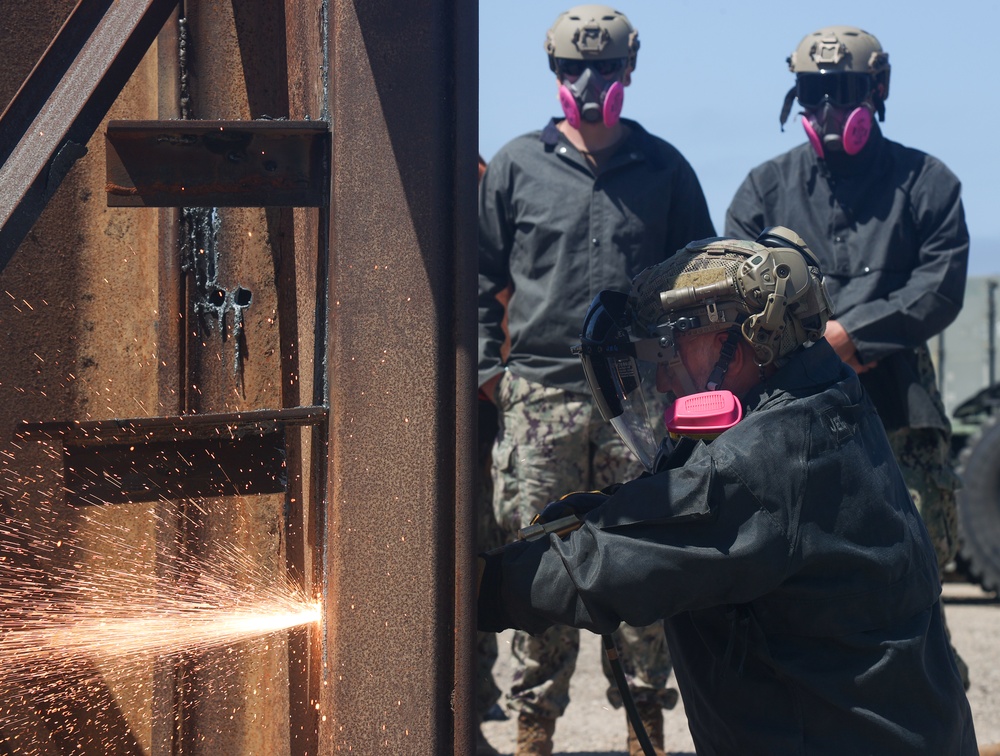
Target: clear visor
[621, 374]
[635, 427]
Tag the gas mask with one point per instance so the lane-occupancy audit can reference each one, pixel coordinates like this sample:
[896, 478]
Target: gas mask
[834, 128]
[838, 110]
[592, 96]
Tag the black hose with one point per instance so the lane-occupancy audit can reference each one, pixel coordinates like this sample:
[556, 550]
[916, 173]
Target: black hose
[611, 650]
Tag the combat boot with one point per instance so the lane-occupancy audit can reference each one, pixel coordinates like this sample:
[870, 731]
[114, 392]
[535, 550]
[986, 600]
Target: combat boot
[534, 735]
[652, 719]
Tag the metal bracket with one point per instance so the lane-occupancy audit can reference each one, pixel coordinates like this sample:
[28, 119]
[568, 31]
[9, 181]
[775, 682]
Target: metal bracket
[218, 163]
[184, 457]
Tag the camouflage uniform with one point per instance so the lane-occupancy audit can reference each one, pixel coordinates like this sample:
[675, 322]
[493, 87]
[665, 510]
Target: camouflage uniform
[924, 457]
[488, 537]
[552, 442]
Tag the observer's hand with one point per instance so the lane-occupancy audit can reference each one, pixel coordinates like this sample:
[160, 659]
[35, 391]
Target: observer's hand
[843, 345]
[488, 390]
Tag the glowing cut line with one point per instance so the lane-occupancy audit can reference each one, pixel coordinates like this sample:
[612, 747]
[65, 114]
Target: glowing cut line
[110, 637]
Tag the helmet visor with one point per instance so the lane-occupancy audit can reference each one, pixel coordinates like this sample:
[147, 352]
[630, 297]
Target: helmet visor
[842, 89]
[616, 377]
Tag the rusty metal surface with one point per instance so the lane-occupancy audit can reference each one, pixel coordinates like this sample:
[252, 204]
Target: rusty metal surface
[397, 483]
[46, 74]
[178, 428]
[198, 468]
[218, 163]
[465, 69]
[51, 135]
[89, 308]
[189, 456]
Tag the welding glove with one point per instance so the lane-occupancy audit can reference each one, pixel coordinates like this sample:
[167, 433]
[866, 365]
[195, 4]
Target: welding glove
[577, 503]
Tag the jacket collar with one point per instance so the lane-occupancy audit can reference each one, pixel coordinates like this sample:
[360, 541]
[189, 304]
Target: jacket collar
[808, 371]
[636, 147]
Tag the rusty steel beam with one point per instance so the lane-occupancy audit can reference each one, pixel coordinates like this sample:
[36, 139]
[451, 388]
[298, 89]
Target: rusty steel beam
[47, 125]
[45, 76]
[197, 468]
[181, 427]
[398, 582]
[218, 163]
[190, 456]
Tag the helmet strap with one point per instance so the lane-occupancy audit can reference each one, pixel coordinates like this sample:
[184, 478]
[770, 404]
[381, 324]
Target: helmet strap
[786, 108]
[718, 375]
[879, 108]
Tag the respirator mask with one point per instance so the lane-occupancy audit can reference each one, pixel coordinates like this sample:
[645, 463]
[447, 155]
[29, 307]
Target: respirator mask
[591, 91]
[838, 114]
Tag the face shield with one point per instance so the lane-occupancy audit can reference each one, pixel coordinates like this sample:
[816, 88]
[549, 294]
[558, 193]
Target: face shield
[622, 371]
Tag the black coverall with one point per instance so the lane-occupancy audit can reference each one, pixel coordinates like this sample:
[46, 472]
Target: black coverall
[797, 582]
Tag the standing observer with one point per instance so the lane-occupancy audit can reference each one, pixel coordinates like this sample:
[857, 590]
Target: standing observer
[887, 225]
[580, 206]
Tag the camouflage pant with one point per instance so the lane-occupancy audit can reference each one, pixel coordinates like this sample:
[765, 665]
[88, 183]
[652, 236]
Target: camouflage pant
[552, 442]
[488, 536]
[923, 455]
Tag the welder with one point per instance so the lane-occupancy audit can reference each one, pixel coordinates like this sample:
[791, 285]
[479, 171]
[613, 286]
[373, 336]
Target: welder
[774, 534]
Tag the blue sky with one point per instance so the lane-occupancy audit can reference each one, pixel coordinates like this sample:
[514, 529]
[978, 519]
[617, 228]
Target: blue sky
[711, 78]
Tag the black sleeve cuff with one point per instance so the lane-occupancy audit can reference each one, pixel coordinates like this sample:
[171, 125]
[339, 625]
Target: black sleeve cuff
[492, 617]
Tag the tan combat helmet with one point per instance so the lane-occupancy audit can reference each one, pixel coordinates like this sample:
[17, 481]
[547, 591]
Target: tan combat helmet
[771, 290]
[841, 49]
[592, 32]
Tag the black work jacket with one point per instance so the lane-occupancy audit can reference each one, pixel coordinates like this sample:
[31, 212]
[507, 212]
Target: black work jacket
[561, 233]
[888, 229]
[798, 584]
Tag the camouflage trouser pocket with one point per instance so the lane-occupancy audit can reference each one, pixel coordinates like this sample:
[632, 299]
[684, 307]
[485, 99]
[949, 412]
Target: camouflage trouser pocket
[923, 458]
[512, 394]
[551, 442]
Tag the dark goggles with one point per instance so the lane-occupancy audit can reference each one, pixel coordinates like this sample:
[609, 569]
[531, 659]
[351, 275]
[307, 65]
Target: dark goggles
[571, 67]
[842, 89]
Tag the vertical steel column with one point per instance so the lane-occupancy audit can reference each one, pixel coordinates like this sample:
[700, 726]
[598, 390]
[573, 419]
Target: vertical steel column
[398, 577]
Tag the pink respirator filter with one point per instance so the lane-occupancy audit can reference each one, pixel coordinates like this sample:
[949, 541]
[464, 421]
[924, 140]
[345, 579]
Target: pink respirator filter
[611, 111]
[703, 415]
[613, 100]
[569, 107]
[857, 128]
[814, 139]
